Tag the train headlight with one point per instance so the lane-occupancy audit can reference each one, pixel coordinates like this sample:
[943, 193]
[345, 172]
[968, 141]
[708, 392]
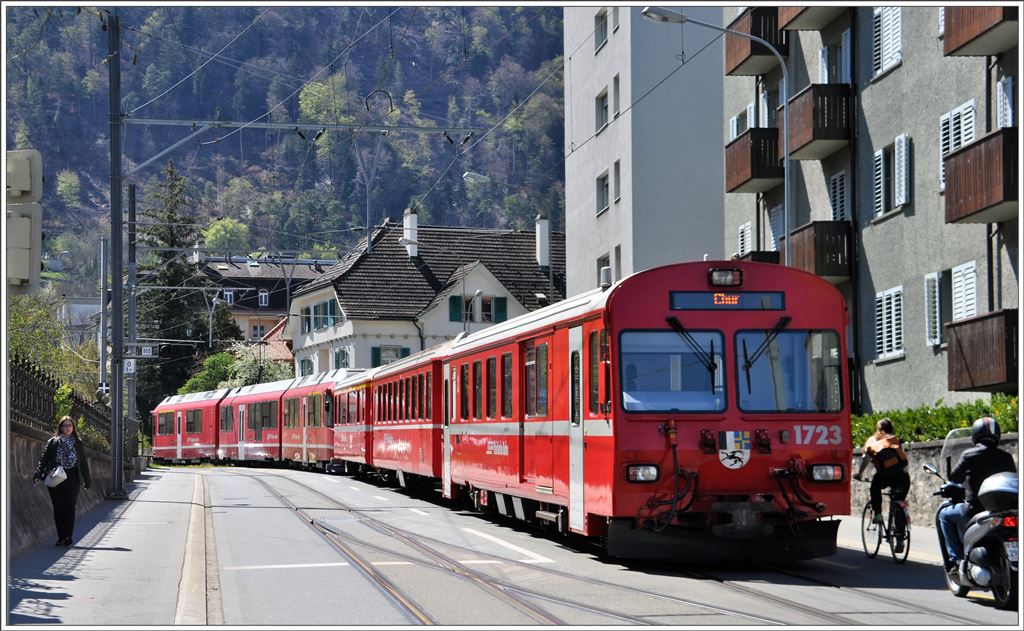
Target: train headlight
[642, 473]
[826, 472]
[725, 277]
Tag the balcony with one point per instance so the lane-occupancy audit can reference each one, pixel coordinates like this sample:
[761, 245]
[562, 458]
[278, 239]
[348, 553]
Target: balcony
[982, 353]
[981, 179]
[979, 31]
[808, 18]
[761, 256]
[752, 161]
[745, 57]
[821, 248]
[820, 119]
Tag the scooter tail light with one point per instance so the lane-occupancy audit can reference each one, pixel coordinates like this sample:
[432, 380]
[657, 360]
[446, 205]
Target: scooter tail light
[1010, 521]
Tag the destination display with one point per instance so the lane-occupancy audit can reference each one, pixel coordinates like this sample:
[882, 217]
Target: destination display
[726, 300]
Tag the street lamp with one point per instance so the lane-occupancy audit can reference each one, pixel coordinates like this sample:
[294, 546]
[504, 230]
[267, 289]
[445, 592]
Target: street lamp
[462, 310]
[659, 14]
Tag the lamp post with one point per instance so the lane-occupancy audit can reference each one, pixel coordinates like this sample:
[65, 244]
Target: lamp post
[462, 310]
[659, 14]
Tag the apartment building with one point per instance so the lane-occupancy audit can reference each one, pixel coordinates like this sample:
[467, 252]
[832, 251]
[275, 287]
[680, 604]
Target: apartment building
[903, 140]
[642, 130]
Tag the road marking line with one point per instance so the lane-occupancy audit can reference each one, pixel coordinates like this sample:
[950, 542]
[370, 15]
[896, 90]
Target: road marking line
[285, 567]
[383, 499]
[333, 481]
[355, 488]
[419, 512]
[533, 557]
[838, 564]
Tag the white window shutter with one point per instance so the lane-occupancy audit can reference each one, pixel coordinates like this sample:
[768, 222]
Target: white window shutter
[945, 146]
[775, 223]
[901, 171]
[837, 196]
[966, 124]
[743, 239]
[733, 128]
[932, 314]
[942, 21]
[895, 34]
[880, 325]
[897, 320]
[751, 120]
[765, 105]
[823, 64]
[879, 174]
[1005, 96]
[846, 63]
[876, 41]
[965, 291]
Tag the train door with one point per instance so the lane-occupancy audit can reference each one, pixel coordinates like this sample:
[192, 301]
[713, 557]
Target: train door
[576, 508]
[241, 430]
[446, 443]
[539, 460]
[178, 433]
[304, 421]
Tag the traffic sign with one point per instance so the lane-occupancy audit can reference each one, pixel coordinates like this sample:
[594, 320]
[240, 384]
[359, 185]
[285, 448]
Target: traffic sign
[104, 388]
[129, 366]
[147, 351]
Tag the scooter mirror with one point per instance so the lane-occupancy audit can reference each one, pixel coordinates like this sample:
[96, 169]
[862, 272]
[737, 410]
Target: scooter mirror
[930, 468]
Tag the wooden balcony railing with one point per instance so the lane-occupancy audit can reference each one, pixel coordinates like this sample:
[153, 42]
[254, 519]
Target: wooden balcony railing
[752, 162]
[976, 31]
[822, 248]
[761, 256]
[820, 119]
[808, 18]
[982, 352]
[745, 57]
[981, 179]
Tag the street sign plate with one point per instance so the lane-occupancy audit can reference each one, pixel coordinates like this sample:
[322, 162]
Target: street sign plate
[105, 388]
[147, 351]
[129, 366]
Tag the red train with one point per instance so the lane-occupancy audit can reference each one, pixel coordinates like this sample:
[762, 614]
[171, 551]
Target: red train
[696, 411]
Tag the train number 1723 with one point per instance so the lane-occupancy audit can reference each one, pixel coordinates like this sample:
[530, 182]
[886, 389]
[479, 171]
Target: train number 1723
[817, 434]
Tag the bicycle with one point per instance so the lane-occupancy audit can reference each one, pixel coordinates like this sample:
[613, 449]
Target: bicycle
[873, 533]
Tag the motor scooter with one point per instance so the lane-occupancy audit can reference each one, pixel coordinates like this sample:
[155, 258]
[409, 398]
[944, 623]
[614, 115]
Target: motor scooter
[990, 537]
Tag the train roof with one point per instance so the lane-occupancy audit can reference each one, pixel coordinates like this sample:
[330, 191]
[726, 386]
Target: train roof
[194, 397]
[434, 352]
[330, 376]
[355, 378]
[260, 388]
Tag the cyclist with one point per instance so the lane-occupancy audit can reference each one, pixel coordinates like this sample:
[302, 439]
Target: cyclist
[884, 450]
[975, 464]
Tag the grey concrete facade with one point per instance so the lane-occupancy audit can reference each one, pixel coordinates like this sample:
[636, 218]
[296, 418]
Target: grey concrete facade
[666, 205]
[904, 245]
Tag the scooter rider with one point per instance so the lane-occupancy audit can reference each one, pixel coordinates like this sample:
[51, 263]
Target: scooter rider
[975, 464]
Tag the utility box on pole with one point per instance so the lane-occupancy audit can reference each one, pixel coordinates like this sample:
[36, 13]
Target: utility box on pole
[24, 219]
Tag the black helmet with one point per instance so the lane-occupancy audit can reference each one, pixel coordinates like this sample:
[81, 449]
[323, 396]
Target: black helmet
[985, 430]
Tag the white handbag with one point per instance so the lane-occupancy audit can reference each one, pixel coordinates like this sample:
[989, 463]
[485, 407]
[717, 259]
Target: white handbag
[55, 476]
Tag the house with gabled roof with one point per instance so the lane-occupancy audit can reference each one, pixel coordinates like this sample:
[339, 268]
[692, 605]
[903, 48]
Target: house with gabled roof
[412, 287]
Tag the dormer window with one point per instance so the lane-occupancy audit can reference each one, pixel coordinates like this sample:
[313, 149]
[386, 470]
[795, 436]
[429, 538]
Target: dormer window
[264, 298]
[229, 296]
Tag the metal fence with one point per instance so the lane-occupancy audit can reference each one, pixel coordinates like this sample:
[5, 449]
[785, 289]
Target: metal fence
[32, 391]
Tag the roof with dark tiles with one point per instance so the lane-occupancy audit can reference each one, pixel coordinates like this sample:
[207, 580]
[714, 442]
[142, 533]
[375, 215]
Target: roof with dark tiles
[388, 284]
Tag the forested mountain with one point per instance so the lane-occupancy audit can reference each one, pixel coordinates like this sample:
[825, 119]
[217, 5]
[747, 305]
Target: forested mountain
[401, 66]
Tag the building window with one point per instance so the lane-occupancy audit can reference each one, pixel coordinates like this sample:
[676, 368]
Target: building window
[229, 296]
[306, 320]
[615, 19]
[602, 262]
[330, 312]
[341, 358]
[768, 116]
[1004, 94]
[305, 366]
[264, 298]
[601, 111]
[382, 355]
[837, 197]
[775, 224]
[886, 39]
[834, 61]
[892, 176]
[743, 239]
[949, 295]
[617, 173]
[615, 96]
[602, 193]
[600, 29]
[741, 122]
[956, 129]
[889, 323]
[258, 331]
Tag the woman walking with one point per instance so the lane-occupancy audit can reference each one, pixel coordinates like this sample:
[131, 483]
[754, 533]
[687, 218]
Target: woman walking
[67, 450]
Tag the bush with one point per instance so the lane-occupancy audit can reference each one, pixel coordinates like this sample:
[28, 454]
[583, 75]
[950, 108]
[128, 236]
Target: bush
[934, 422]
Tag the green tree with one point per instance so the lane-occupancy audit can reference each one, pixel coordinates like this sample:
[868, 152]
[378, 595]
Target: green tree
[216, 369]
[227, 235]
[68, 187]
[251, 367]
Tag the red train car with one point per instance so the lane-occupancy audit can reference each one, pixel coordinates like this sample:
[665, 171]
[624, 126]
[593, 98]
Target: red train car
[696, 411]
[353, 430]
[185, 427]
[253, 416]
[307, 419]
[406, 427]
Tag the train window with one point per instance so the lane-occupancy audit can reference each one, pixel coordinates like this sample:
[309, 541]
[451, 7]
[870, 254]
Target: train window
[315, 410]
[291, 412]
[506, 385]
[414, 397]
[427, 411]
[194, 421]
[464, 392]
[537, 380]
[166, 425]
[593, 371]
[575, 387]
[407, 400]
[477, 389]
[492, 387]
[664, 371]
[531, 381]
[788, 371]
[227, 418]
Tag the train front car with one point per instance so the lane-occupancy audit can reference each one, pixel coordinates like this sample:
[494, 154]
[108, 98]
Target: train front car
[731, 415]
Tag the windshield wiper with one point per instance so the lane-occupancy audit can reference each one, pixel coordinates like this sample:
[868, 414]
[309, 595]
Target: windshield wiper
[749, 361]
[702, 355]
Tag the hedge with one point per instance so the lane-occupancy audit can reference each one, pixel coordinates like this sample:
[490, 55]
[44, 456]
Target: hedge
[934, 422]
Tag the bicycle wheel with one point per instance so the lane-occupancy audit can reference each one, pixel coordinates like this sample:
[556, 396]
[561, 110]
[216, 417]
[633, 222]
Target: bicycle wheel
[870, 532]
[899, 554]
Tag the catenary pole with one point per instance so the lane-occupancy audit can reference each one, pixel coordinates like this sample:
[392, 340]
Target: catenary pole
[116, 490]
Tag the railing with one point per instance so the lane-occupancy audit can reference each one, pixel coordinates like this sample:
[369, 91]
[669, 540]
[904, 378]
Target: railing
[808, 18]
[822, 248]
[752, 163]
[744, 56]
[979, 30]
[32, 391]
[820, 118]
[981, 179]
[982, 352]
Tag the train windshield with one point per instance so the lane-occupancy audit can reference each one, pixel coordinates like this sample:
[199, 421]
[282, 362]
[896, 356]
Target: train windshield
[663, 371]
[788, 371]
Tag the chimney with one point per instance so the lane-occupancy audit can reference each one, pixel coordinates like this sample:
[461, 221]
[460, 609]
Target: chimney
[409, 224]
[543, 237]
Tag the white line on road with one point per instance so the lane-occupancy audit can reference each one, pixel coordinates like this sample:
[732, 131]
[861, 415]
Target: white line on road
[533, 557]
[419, 512]
[333, 481]
[381, 498]
[285, 567]
[355, 488]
